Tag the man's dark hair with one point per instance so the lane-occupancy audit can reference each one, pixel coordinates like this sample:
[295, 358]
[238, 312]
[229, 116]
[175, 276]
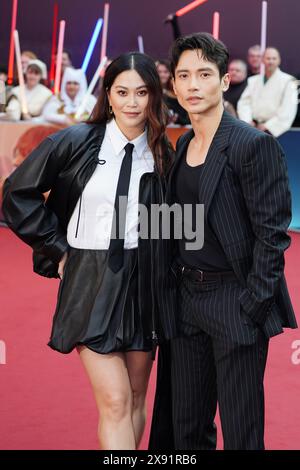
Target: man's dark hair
[212, 50]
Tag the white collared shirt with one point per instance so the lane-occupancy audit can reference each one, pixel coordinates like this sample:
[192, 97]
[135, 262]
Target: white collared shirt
[98, 197]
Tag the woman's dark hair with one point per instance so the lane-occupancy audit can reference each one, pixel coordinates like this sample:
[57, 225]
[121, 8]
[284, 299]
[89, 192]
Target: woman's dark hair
[212, 50]
[65, 51]
[166, 63]
[156, 109]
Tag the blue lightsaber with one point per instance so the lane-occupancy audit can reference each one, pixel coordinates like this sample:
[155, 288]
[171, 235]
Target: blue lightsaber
[91, 47]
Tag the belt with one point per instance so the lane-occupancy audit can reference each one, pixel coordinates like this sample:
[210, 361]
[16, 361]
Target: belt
[202, 276]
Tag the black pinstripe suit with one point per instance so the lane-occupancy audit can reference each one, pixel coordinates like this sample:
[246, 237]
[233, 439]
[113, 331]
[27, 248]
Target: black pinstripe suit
[223, 328]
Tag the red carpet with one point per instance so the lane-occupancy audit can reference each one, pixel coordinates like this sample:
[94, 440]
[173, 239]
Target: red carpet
[45, 398]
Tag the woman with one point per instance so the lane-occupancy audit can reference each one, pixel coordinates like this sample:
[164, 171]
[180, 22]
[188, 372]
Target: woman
[177, 115]
[26, 57]
[62, 109]
[104, 310]
[36, 94]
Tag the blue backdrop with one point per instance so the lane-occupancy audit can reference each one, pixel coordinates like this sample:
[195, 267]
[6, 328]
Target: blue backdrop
[290, 142]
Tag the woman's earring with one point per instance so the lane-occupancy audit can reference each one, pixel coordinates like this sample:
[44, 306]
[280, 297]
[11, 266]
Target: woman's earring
[110, 110]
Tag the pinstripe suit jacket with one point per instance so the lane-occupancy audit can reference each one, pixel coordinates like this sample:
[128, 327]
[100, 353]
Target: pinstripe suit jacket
[247, 202]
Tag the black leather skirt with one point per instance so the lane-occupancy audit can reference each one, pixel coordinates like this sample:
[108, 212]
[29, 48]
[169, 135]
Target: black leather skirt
[97, 307]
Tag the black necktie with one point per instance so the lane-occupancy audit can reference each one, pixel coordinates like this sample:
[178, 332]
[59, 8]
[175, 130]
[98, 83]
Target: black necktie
[116, 247]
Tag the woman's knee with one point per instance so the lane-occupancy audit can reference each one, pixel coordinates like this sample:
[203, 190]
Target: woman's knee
[116, 405]
[138, 399]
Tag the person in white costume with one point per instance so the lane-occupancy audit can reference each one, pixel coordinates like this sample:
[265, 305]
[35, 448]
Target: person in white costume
[270, 101]
[36, 94]
[62, 109]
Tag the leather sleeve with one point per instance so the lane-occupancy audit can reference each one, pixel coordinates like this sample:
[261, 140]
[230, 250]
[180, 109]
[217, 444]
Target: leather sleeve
[24, 203]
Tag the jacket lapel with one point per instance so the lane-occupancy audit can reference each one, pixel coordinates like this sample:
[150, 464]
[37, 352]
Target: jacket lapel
[86, 166]
[215, 162]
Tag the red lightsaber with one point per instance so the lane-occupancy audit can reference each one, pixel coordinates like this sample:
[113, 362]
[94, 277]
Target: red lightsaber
[189, 7]
[53, 48]
[10, 77]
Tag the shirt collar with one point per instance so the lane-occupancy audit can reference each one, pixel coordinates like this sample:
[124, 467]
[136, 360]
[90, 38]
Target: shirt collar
[119, 140]
[274, 74]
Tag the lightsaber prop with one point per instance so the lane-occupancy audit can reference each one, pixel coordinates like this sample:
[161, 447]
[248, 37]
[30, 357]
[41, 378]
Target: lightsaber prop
[10, 77]
[17, 48]
[173, 20]
[104, 32]
[216, 25]
[189, 7]
[263, 33]
[62, 25]
[92, 44]
[141, 44]
[90, 89]
[53, 48]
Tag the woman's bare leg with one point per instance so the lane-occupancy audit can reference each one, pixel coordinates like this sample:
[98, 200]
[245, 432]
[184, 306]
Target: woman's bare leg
[139, 366]
[112, 390]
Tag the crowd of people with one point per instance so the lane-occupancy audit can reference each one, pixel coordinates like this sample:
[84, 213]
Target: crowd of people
[260, 93]
[42, 104]
[267, 100]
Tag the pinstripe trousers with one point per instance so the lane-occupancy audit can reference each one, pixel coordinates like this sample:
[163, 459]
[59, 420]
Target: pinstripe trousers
[219, 356]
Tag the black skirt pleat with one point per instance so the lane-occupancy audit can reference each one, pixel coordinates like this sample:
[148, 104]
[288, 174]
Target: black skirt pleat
[97, 307]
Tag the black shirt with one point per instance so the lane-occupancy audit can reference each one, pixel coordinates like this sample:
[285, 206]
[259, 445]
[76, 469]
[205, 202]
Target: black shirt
[234, 92]
[211, 256]
[173, 105]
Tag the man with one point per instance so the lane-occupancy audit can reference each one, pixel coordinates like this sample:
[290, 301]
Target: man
[254, 60]
[270, 101]
[237, 70]
[232, 293]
